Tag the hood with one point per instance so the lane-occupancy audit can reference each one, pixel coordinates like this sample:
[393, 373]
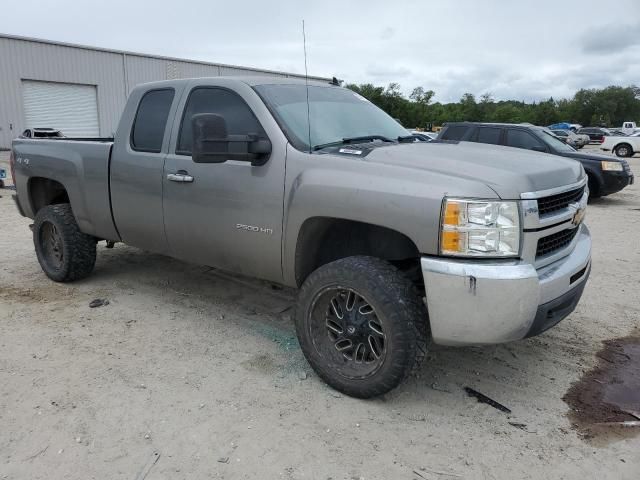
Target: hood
[596, 157]
[507, 171]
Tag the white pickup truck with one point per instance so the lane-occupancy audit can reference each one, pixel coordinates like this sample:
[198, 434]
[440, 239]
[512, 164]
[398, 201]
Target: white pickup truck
[630, 128]
[620, 145]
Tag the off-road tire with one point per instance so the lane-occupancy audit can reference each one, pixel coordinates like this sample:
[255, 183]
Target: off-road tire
[624, 150]
[78, 249]
[396, 302]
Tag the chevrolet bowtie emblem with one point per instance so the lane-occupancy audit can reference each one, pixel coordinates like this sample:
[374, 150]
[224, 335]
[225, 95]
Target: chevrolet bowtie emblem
[578, 216]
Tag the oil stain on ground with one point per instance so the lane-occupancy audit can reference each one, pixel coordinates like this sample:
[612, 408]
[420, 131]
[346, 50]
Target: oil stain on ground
[605, 402]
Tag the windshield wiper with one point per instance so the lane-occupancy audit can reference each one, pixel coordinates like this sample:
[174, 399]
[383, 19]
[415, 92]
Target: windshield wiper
[407, 138]
[348, 140]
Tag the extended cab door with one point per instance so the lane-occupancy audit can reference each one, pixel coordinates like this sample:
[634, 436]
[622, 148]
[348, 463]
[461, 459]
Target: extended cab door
[226, 215]
[137, 165]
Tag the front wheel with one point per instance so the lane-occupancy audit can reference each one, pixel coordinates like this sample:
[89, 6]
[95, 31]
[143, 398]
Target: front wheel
[64, 252]
[362, 325]
[624, 150]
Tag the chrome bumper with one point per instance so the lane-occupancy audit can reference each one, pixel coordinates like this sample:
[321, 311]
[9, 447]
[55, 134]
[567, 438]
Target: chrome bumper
[479, 303]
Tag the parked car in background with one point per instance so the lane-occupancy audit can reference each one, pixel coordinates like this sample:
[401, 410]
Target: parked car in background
[616, 132]
[574, 127]
[606, 174]
[570, 138]
[596, 134]
[630, 128]
[42, 133]
[424, 136]
[625, 146]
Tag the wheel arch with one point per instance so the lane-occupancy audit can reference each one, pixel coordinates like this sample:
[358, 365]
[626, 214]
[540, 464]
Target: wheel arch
[43, 192]
[595, 181]
[322, 240]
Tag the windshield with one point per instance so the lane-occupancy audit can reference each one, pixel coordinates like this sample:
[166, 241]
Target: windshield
[335, 113]
[551, 140]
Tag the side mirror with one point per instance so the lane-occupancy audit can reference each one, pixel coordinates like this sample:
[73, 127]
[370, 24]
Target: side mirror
[539, 148]
[212, 144]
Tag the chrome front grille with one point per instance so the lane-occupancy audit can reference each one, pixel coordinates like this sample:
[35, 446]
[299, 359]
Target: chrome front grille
[559, 201]
[548, 225]
[555, 242]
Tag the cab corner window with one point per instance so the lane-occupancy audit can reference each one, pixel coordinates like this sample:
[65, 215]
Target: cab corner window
[151, 120]
[239, 118]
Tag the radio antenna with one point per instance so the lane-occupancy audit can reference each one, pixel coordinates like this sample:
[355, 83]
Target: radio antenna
[306, 80]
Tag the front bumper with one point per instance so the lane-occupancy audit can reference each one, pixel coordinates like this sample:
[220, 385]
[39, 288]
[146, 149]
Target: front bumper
[613, 182]
[479, 303]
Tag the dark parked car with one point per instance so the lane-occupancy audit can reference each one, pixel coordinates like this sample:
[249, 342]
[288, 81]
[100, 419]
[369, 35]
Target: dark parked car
[607, 174]
[596, 134]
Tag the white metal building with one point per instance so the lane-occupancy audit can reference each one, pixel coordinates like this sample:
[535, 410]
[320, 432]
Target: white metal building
[82, 90]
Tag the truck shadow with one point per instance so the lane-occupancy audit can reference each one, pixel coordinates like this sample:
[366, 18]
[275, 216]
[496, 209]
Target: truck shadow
[617, 199]
[513, 374]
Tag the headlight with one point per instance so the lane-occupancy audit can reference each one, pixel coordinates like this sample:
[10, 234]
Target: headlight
[612, 166]
[479, 228]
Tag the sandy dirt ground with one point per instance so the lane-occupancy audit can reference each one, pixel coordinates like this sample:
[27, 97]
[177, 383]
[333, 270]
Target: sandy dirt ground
[203, 374]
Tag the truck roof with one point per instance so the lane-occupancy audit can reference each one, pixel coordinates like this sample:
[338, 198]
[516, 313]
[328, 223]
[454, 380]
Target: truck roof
[251, 80]
[496, 124]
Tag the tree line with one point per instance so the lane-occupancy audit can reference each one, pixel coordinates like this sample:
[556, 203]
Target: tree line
[606, 107]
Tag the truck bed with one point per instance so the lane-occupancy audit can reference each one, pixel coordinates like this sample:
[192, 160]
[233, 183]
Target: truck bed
[81, 166]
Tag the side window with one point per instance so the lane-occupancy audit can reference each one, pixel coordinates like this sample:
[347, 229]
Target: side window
[523, 139]
[240, 119]
[488, 135]
[455, 132]
[151, 119]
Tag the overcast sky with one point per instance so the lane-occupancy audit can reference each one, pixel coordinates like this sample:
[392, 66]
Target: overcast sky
[524, 50]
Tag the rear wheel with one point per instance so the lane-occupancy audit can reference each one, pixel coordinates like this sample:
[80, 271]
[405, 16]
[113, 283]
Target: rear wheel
[64, 252]
[624, 150]
[361, 325]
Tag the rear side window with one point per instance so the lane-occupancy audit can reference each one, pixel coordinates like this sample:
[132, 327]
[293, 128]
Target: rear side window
[488, 135]
[523, 139]
[455, 132]
[151, 120]
[239, 117]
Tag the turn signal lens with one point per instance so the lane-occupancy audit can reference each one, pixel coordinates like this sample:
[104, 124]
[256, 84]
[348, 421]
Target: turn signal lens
[451, 241]
[452, 213]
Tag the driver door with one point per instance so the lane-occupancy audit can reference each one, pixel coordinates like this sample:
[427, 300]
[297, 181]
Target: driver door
[225, 215]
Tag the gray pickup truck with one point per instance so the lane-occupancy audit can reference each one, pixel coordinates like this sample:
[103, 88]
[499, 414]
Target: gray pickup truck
[392, 244]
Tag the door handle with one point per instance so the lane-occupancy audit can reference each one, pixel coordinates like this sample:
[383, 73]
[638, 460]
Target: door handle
[180, 176]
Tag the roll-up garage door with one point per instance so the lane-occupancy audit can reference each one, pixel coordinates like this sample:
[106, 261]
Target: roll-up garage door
[68, 107]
